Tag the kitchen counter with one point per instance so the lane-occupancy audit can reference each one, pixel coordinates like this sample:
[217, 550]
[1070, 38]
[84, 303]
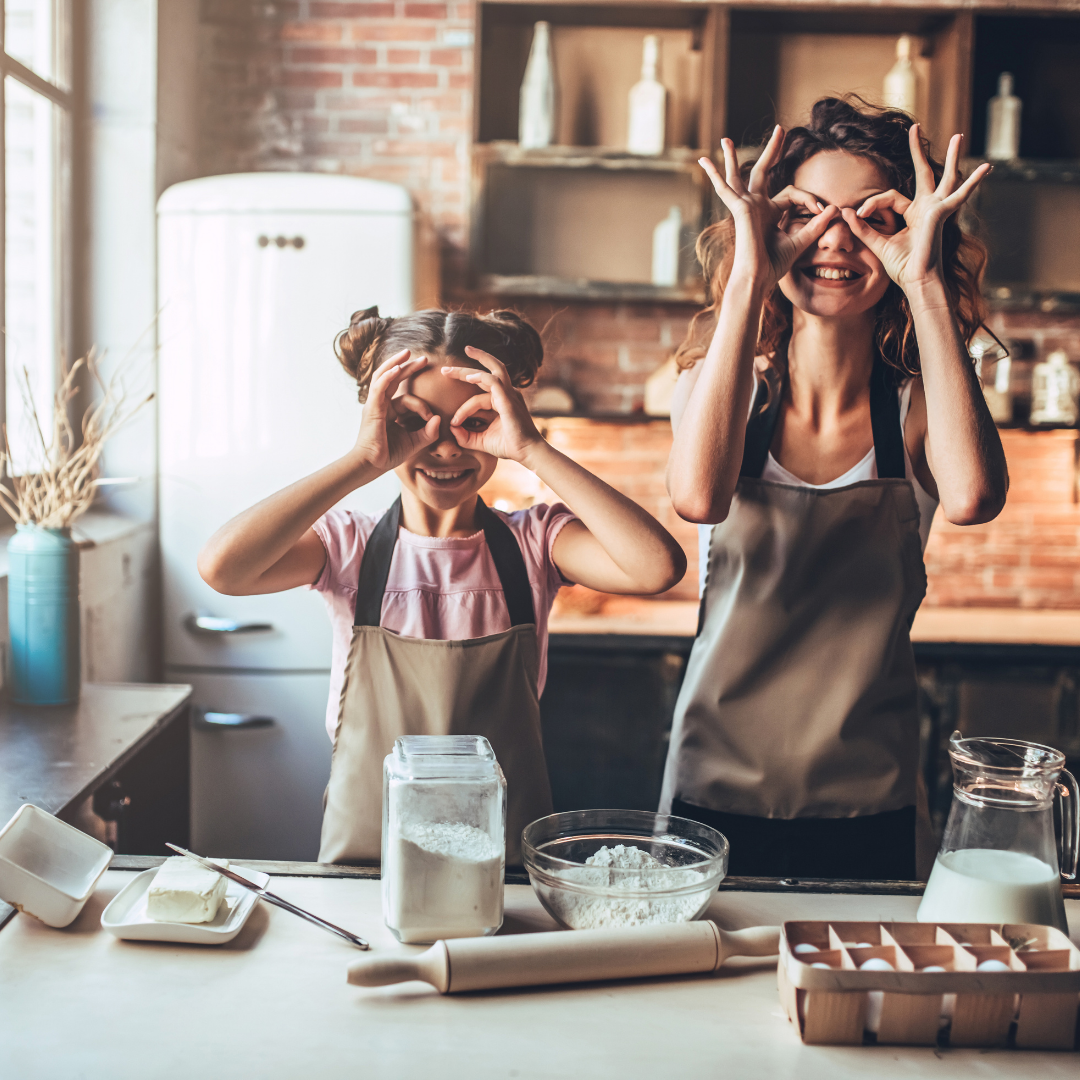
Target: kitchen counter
[58, 756]
[933, 626]
[275, 1003]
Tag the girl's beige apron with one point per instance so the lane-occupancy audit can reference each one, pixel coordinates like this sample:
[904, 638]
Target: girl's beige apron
[413, 686]
[800, 692]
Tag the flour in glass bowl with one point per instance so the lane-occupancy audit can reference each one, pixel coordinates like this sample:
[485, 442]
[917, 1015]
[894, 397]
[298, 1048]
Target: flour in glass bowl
[588, 911]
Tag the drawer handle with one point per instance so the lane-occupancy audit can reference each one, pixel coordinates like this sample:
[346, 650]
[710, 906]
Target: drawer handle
[208, 624]
[235, 720]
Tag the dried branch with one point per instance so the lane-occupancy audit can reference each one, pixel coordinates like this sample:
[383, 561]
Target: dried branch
[65, 481]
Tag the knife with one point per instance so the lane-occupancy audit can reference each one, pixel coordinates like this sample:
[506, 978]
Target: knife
[272, 898]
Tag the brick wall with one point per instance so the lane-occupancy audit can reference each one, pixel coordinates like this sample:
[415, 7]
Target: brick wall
[384, 89]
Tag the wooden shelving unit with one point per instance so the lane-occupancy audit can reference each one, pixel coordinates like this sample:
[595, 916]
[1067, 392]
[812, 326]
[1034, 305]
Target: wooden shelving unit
[576, 220]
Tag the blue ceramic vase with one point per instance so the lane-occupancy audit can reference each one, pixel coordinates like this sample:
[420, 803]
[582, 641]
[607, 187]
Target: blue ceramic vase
[43, 616]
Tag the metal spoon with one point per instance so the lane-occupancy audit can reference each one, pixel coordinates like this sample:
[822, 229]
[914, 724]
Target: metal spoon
[272, 898]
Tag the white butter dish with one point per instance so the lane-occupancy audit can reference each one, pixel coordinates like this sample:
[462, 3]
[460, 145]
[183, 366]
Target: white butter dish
[126, 916]
[48, 868]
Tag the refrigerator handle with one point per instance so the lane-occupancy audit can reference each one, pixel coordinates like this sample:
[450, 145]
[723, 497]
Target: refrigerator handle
[208, 720]
[208, 624]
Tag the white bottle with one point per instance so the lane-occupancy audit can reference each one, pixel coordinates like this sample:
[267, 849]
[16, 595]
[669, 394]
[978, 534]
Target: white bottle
[648, 100]
[1003, 122]
[900, 83]
[536, 108]
[1055, 388]
[665, 249]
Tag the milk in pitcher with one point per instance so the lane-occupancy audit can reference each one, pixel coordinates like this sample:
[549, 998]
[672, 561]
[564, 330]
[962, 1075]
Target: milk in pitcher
[993, 886]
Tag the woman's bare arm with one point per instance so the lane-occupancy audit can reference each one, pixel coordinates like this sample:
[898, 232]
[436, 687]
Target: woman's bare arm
[961, 444]
[712, 400]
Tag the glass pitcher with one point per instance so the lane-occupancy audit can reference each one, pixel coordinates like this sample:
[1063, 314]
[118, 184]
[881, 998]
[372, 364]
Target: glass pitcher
[998, 861]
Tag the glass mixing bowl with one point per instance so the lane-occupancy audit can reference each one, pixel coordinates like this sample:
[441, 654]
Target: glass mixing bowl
[679, 865]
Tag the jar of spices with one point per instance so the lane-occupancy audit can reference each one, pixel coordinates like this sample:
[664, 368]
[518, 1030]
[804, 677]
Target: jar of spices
[444, 838]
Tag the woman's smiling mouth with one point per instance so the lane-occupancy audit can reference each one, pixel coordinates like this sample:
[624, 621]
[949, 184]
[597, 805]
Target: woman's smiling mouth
[831, 273]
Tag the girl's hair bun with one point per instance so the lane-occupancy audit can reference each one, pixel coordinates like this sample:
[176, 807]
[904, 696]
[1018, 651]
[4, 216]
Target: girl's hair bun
[370, 339]
[358, 346]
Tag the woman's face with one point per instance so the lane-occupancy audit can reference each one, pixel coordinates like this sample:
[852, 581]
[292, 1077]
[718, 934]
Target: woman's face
[443, 475]
[838, 275]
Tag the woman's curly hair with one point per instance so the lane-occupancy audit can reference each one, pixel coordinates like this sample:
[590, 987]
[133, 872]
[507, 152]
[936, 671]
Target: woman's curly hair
[369, 339]
[879, 135]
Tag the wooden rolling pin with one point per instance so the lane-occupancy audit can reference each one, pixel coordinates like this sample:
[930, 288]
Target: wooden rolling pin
[568, 956]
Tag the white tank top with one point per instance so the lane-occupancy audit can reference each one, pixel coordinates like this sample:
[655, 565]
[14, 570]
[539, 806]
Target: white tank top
[862, 470]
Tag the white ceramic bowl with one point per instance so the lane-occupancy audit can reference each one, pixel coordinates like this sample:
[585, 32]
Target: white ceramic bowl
[48, 868]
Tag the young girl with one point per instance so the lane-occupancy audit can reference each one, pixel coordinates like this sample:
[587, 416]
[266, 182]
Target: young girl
[833, 409]
[439, 605]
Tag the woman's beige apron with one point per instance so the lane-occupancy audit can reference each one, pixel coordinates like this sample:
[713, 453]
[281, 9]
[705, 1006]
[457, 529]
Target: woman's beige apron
[414, 686]
[800, 692]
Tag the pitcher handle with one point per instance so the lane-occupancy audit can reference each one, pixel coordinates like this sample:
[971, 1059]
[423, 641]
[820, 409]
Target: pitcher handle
[1070, 824]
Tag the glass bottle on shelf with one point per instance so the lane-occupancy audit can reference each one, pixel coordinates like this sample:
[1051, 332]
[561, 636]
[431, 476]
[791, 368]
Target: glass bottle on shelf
[648, 100]
[536, 108]
[1003, 122]
[1055, 390]
[665, 249]
[901, 82]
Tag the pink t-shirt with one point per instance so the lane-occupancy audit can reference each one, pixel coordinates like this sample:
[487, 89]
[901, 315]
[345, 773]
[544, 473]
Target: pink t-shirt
[439, 588]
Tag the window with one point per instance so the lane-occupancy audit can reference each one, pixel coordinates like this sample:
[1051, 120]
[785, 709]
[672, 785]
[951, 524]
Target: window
[35, 298]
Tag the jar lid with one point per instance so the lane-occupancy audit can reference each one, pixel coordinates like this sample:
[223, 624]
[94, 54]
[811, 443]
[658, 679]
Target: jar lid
[438, 757]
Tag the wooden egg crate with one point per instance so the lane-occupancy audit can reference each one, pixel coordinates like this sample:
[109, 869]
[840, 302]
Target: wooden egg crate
[1032, 1005]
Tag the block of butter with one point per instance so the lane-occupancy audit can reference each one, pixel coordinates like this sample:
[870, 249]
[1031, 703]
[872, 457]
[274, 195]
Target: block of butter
[183, 891]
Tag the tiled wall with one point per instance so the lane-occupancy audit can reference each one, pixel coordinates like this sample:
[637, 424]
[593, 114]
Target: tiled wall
[384, 89]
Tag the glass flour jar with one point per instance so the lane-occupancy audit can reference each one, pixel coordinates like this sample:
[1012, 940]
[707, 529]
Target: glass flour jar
[443, 838]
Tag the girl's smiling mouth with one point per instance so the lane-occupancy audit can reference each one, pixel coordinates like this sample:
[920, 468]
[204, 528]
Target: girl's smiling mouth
[444, 477]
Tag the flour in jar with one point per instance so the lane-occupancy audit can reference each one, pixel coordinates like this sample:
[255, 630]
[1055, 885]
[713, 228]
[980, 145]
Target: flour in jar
[608, 869]
[444, 880]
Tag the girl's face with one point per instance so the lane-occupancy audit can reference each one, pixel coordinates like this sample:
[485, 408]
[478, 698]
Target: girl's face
[838, 275]
[443, 475]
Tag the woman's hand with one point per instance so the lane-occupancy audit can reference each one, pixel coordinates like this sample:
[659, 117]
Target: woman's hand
[393, 429]
[912, 256]
[497, 421]
[763, 249]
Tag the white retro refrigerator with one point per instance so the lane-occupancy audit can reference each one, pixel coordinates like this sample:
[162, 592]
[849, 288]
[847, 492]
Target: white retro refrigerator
[257, 274]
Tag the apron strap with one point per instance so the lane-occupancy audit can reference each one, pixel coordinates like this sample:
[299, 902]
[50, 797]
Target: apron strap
[761, 426]
[884, 422]
[501, 542]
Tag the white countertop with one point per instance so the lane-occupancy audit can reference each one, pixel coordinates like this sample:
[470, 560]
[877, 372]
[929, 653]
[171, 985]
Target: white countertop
[275, 1003]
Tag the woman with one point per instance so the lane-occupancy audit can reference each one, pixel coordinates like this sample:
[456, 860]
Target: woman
[832, 411]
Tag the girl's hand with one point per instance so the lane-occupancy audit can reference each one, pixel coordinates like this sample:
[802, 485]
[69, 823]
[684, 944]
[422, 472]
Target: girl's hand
[763, 249]
[912, 256]
[496, 422]
[393, 429]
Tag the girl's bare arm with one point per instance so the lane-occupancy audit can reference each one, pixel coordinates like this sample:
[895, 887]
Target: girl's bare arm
[272, 546]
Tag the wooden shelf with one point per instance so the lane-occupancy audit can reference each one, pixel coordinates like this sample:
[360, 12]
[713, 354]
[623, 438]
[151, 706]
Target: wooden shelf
[1030, 171]
[679, 160]
[586, 289]
[575, 220]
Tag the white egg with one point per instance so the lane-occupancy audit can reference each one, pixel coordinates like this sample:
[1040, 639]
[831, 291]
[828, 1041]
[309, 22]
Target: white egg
[801, 950]
[819, 964]
[876, 963]
[862, 945]
[993, 965]
[933, 967]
